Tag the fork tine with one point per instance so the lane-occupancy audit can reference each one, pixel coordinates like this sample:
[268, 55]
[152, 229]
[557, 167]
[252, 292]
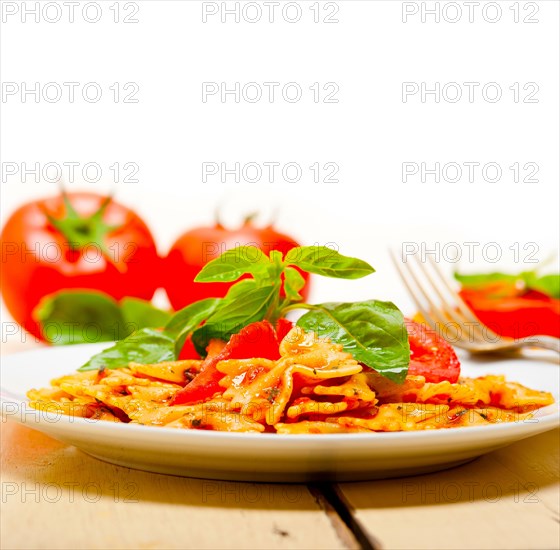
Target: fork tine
[432, 313]
[407, 275]
[461, 305]
[422, 286]
[445, 314]
[450, 308]
[414, 295]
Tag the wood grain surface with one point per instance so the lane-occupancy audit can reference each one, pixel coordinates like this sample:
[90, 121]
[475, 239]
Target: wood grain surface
[507, 499]
[56, 497]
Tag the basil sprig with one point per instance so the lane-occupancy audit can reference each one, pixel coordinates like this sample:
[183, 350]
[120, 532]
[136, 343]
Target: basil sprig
[372, 331]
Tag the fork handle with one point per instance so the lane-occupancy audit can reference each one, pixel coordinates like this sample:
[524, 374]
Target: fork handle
[540, 341]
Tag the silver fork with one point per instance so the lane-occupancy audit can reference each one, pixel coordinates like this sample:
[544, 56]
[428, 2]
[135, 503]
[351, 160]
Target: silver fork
[444, 310]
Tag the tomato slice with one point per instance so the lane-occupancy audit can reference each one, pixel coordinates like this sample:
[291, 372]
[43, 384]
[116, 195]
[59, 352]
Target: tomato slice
[205, 384]
[515, 315]
[255, 340]
[283, 326]
[258, 339]
[430, 355]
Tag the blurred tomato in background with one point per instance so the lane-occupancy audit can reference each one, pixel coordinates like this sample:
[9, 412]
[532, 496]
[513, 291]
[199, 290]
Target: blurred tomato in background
[195, 248]
[74, 241]
[513, 311]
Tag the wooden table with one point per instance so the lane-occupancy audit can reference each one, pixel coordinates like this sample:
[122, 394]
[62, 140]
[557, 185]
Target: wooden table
[56, 497]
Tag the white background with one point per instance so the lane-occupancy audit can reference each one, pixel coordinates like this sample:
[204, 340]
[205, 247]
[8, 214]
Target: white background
[369, 133]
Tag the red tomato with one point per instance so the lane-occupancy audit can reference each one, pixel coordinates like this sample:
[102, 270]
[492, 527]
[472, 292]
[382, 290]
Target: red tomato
[514, 313]
[258, 339]
[85, 241]
[195, 248]
[188, 351]
[430, 355]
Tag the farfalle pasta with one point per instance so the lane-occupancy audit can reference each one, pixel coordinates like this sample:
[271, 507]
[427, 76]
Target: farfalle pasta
[314, 387]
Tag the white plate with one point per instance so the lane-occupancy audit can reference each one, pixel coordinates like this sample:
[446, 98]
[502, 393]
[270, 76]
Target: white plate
[268, 457]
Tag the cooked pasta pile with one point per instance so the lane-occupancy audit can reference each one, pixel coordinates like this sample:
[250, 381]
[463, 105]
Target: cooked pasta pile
[315, 387]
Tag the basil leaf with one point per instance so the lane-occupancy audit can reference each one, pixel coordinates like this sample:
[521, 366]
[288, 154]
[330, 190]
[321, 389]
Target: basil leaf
[373, 332]
[187, 319]
[140, 313]
[241, 288]
[232, 264]
[293, 283]
[547, 284]
[276, 265]
[77, 317]
[326, 261]
[248, 304]
[143, 346]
